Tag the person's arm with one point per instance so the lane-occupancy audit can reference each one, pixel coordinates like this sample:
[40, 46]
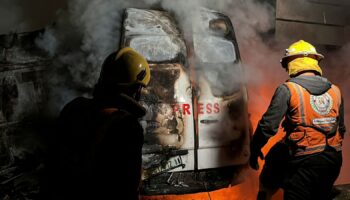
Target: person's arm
[269, 123]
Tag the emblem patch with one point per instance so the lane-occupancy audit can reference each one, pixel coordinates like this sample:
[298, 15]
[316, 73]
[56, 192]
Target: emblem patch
[321, 104]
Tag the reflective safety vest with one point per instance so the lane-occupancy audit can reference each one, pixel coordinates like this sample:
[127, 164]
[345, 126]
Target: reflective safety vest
[311, 123]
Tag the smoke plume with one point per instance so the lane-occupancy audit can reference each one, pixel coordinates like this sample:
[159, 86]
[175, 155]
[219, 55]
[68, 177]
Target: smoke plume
[24, 16]
[10, 14]
[87, 31]
[81, 37]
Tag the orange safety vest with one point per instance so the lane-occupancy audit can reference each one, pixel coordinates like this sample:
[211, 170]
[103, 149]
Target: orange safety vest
[311, 122]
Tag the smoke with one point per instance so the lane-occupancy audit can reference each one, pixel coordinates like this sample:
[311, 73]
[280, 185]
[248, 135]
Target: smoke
[87, 31]
[81, 37]
[10, 13]
[25, 16]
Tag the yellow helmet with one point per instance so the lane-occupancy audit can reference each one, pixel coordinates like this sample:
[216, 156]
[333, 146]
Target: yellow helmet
[125, 67]
[300, 49]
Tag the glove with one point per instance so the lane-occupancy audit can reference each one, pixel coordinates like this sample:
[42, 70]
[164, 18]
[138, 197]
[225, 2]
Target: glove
[256, 143]
[253, 159]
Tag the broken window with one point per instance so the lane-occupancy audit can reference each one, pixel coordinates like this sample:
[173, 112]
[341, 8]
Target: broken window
[158, 48]
[219, 26]
[212, 49]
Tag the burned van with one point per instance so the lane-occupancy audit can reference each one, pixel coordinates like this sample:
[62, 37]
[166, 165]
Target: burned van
[197, 126]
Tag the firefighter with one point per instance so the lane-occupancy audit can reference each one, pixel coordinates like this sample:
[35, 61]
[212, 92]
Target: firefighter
[307, 161]
[100, 152]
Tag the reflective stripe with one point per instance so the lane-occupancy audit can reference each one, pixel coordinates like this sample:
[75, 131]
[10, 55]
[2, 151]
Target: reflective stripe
[337, 93]
[324, 128]
[314, 149]
[301, 100]
[309, 150]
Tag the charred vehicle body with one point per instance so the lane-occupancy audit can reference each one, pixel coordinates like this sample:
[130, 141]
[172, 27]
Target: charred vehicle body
[197, 126]
[22, 96]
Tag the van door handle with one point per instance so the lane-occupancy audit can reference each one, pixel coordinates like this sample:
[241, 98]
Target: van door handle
[209, 121]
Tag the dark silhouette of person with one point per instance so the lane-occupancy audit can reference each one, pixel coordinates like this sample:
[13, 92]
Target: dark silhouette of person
[100, 139]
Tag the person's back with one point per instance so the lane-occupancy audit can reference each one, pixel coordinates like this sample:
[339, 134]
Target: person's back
[117, 150]
[101, 149]
[321, 159]
[101, 141]
[73, 137]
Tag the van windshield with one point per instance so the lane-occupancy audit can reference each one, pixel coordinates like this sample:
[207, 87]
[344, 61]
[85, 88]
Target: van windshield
[212, 49]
